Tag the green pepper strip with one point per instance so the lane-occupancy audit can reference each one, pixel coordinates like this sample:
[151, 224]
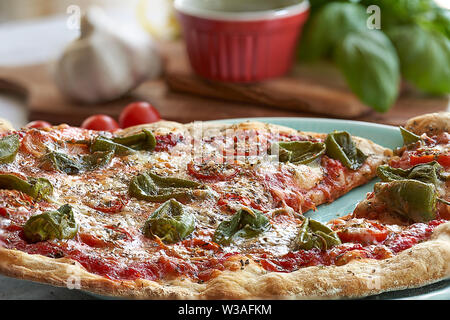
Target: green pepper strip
[37, 188]
[413, 199]
[59, 224]
[409, 137]
[314, 234]
[9, 146]
[245, 223]
[299, 152]
[151, 187]
[340, 146]
[172, 222]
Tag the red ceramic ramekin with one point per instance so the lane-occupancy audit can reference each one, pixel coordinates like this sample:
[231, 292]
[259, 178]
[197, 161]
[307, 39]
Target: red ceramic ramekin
[241, 46]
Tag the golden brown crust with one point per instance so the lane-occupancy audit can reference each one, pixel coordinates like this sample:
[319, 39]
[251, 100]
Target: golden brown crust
[5, 125]
[432, 123]
[422, 264]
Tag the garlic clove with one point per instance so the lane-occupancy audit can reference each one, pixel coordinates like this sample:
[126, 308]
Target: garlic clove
[106, 61]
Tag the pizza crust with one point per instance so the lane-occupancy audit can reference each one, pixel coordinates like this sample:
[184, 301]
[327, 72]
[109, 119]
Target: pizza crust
[422, 264]
[5, 125]
[432, 123]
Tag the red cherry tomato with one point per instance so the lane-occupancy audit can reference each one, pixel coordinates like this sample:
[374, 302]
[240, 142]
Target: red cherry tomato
[38, 124]
[138, 113]
[100, 122]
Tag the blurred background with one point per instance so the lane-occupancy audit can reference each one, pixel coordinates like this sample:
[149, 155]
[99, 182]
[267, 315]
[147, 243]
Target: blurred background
[404, 71]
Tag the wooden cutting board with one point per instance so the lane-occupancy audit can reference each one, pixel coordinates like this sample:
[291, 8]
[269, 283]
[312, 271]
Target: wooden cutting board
[181, 96]
[317, 89]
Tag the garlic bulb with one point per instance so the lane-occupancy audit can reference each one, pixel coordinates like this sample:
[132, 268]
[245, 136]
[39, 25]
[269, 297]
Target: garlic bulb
[106, 61]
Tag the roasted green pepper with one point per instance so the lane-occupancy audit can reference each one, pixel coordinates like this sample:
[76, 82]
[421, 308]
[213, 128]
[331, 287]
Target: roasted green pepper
[122, 146]
[37, 188]
[151, 187]
[245, 223]
[62, 162]
[314, 234]
[102, 144]
[96, 160]
[144, 140]
[59, 224]
[75, 165]
[9, 146]
[340, 146]
[299, 152]
[172, 222]
[431, 172]
[409, 137]
[413, 199]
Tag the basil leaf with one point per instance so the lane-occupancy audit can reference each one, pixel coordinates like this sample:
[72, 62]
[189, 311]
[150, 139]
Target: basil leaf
[9, 146]
[328, 27]
[75, 165]
[424, 57]
[409, 198]
[370, 65]
[431, 172]
[97, 160]
[299, 152]
[172, 222]
[62, 162]
[314, 234]
[59, 224]
[409, 137]
[37, 188]
[245, 223]
[340, 146]
[151, 187]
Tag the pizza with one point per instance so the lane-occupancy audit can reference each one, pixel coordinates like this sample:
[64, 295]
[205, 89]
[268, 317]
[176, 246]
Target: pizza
[216, 211]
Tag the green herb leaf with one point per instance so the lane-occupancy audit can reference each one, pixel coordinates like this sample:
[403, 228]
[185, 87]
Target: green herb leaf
[151, 187]
[409, 137]
[37, 188]
[172, 222]
[59, 224]
[75, 165]
[299, 152]
[96, 160]
[314, 234]
[328, 27]
[9, 146]
[409, 198]
[370, 65]
[431, 172]
[424, 57]
[246, 223]
[62, 162]
[340, 146]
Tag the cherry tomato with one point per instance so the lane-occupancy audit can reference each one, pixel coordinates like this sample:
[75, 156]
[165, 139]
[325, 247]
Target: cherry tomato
[38, 124]
[100, 122]
[138, 113]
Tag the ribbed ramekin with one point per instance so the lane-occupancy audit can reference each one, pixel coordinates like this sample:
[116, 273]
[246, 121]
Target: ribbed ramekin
[241, 46]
